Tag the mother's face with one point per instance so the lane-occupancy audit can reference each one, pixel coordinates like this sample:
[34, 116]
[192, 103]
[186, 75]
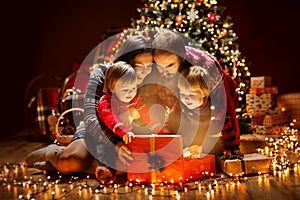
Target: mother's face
[143, 65]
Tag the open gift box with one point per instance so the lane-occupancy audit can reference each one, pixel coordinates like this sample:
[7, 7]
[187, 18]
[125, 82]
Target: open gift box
[159, 158]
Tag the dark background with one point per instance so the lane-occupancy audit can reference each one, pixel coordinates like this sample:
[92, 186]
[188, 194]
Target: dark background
[48, 37]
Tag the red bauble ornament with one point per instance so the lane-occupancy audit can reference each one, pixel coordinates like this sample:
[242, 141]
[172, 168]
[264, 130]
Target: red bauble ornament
[212, 17]
[146, 5]
[179, 19]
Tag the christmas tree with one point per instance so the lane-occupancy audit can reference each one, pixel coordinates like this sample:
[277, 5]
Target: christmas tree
[203, 22]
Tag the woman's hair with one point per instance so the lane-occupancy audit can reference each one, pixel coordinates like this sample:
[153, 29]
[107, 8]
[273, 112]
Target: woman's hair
[169, 41]
[120, 72]
[133, 46]
[193, 78]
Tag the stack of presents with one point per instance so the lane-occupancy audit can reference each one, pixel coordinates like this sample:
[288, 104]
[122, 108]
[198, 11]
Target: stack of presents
[266, 117]
[160, 159]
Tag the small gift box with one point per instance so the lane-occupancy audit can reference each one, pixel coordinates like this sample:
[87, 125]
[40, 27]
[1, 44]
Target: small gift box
[250, 164]
[264, 101]
[276, 119]
[257, 120]
[260, 81]
[258, 112]
[275, 111]
[271, 90]
[159, 158]
[268, 130]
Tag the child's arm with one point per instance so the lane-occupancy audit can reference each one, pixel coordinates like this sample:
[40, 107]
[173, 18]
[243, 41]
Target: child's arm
[113, 122]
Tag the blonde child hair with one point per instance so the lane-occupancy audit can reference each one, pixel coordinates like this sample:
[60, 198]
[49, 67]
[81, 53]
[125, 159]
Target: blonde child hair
[120, 72]
[192, 79]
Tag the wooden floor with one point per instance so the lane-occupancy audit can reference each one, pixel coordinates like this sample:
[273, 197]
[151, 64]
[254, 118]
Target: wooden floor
[17, 182]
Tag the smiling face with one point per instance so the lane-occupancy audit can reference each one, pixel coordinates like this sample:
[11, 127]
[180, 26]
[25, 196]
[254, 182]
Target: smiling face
[167, 63]
[125, 92]
[143, 63]
[192, 87]
[192, 99]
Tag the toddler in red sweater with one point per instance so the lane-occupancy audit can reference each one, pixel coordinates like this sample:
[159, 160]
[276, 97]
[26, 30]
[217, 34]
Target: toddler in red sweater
[120, 99]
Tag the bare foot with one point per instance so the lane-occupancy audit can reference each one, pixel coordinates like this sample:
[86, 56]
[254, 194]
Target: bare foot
[104, 174]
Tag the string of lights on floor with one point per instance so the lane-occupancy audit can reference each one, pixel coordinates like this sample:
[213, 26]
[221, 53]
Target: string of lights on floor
[15, 181]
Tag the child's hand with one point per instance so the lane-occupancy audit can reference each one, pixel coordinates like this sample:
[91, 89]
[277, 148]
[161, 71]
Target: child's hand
[126, 119]
[128, 137]
[134, 113]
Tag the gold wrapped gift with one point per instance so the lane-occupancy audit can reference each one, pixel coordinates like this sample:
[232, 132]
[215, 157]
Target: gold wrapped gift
[251, 164]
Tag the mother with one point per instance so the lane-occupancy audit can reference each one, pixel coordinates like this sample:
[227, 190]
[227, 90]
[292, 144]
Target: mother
[81, 155]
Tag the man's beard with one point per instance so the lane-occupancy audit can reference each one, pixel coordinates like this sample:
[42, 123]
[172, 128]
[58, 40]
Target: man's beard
[170, 81]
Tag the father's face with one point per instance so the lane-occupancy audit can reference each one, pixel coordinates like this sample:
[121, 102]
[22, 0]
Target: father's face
[167, 63]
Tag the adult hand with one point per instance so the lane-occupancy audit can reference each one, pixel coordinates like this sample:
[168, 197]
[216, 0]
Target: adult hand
[124, 153]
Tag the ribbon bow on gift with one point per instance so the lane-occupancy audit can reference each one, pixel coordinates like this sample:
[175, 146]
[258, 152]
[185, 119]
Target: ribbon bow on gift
[236, 155]
[156, 162]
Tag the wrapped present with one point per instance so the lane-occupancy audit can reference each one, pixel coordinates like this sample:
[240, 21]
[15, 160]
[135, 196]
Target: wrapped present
[275, 111]
[268, 130]
[260, 81]
[159, 158]
[257, 112]
[264, 101]
[195, 168]
[257, 120]
[276, 119]
[251, 164]
[271, 90]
